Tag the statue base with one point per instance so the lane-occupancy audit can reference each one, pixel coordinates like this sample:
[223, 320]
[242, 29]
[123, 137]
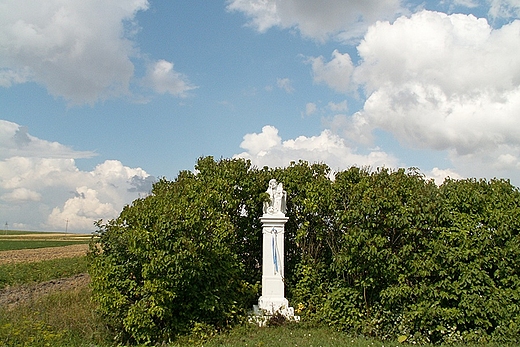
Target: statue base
[262, 316]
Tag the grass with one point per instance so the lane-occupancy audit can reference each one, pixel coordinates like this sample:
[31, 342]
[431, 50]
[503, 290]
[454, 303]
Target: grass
[296, 334]
[68, 319]
[60, 319]
[9, 245]
[21, 273]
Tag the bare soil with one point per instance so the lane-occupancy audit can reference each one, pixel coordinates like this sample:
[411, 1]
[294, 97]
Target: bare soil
[12, 296]
[35, 255]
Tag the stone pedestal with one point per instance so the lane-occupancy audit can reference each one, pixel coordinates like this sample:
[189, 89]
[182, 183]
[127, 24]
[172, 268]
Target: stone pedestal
[273, 299]
[273, 288]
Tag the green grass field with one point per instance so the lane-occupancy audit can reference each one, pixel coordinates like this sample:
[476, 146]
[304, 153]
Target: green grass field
[8, 245]
[16, 239]
[23, 273]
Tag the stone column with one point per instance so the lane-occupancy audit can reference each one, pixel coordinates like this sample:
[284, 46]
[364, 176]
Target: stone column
[273, 288]
[273, 230]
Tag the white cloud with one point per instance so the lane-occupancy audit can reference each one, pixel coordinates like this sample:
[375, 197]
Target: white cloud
[260, 144]
[10, 77]
[336, 73]
[78, 50]
[81, 210]
[21, 194]
[267, 148]
[263, 13]
[317, 19]
[15, 141]
[445, 82]
[41, 190]
[454, 80]
[310, 108]
[439, 175]
[285, 84]
[164, 79]
[338, 107]
[466, 3]
[504, 8]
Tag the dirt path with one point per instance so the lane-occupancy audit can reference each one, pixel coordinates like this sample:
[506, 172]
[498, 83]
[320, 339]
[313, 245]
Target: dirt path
[12, 296]
[35, 255]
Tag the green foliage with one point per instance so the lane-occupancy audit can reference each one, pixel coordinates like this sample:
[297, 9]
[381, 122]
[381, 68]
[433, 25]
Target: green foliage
[382, 253]
[432, 264]
[187, 255]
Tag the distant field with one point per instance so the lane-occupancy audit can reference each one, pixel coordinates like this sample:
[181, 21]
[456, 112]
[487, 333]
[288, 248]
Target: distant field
[19, 232]
[11, 245]
[17, 240]
[44, 234]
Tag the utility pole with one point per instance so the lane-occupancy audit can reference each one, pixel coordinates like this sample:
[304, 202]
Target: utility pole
[66, 226]
[6, 228]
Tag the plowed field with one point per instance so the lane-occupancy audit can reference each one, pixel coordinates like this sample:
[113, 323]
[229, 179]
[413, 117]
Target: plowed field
[35, 255]
[12, 296]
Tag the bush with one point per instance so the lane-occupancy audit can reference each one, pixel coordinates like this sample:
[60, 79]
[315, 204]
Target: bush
[384, 253]
[426, 263]
[179, 258]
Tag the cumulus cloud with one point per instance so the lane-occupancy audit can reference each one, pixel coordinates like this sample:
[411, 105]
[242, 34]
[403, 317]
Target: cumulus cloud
[440, 175]
[42, 190]
[268, 149]
[336, 73]
[78, 50]
[443, 82]
[20, 195]
[164, 79]
[438, 81]
[81, 210]
[316, 19]
[344, 20]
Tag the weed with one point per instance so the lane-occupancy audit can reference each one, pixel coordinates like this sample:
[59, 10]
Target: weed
[61, 319]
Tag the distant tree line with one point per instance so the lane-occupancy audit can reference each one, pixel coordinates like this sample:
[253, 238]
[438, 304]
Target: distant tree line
[384, 253]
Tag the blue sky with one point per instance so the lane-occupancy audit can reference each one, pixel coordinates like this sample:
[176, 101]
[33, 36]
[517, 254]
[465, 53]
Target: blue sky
[99, 99]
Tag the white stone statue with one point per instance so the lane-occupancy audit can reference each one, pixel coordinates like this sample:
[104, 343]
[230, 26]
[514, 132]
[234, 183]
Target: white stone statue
[277, 198]
[273, 221]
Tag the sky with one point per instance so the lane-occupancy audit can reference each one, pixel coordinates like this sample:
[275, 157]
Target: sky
[98, 99]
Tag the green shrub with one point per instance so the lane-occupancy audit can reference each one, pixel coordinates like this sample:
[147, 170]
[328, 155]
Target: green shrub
[182, 257]
[432, 264]
[382, 253]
